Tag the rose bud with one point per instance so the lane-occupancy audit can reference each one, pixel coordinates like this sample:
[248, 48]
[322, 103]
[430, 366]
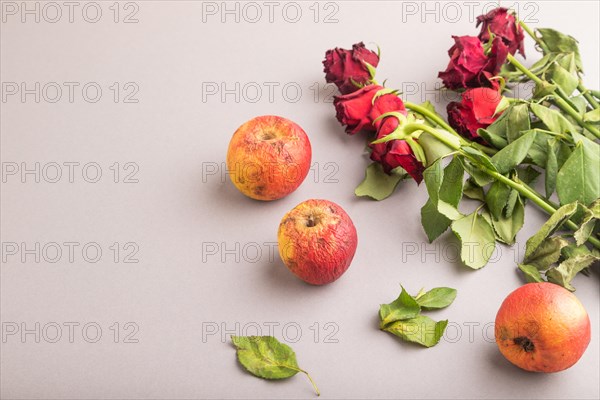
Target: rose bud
[358, 110]
[503, 24]
[476, 109]
[469, 66]
[395, 153]
[346, 68]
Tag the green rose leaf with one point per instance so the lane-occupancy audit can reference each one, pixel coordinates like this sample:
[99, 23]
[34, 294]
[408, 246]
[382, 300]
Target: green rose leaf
[518, 122]
[566, 80]
[404, 307]
[553, 223]
[473, 191]
[477, 239]
[479, 157]
[490, 137]
[585, 230]
[433, 177]
[497, 130]
[497, 198]
[579, 177]
[377, 184]
[451, 188]
[572, 250]
[267, 358]
[481, 178]
[566, 271]
[566, 61]
[552, 118]
[448, 210]
[539, 149]
[436, 298]
[513, 154]
[595, 209]
[434, 148]
[508, 126]
[540, 66]
[531, 273]
[507, 227]
[421, 329]
[547, 253]
[558, 42]
[511, 203]
[592, 116]
[444, 187]
[528, 174]
[434, 223]
[580, 104]
[586, 227]
[543, 89]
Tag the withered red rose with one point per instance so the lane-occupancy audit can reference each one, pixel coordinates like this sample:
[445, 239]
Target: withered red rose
[395, 153]
[502, 23]
[476, 109]
[357, 110]
[469, 66]
[342, 67]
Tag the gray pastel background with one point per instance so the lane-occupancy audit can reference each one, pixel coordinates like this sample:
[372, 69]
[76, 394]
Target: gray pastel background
[148, 94]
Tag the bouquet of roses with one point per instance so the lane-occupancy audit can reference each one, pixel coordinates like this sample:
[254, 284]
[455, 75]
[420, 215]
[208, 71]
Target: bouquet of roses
[502, 144]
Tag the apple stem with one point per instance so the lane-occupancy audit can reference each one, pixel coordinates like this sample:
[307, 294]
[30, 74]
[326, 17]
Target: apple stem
[311, 381]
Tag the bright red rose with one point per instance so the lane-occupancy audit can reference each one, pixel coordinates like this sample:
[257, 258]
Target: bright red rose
[469, 66]
[503, 24]
[358, 111]
[386, 103]
[344, 66]
[395, 153]
[477, 109]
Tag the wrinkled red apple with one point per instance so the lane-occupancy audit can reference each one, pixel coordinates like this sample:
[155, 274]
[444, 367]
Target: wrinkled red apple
[317, 241]
[542, 327]
[268, 157]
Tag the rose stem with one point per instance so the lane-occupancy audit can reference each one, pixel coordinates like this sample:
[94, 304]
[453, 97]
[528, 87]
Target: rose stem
[439, 121]
[531, 33]
[519, 187]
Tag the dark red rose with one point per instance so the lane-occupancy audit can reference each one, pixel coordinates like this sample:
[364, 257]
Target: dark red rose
[343, 66]
[395, 153]
[358, 111]
[503, 24]
[476, 110]
[469, 66]
[497, 57]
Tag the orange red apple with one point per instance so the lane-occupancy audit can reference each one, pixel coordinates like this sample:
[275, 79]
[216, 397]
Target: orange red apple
[268, 157]
[542, 327]
[317, 241]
